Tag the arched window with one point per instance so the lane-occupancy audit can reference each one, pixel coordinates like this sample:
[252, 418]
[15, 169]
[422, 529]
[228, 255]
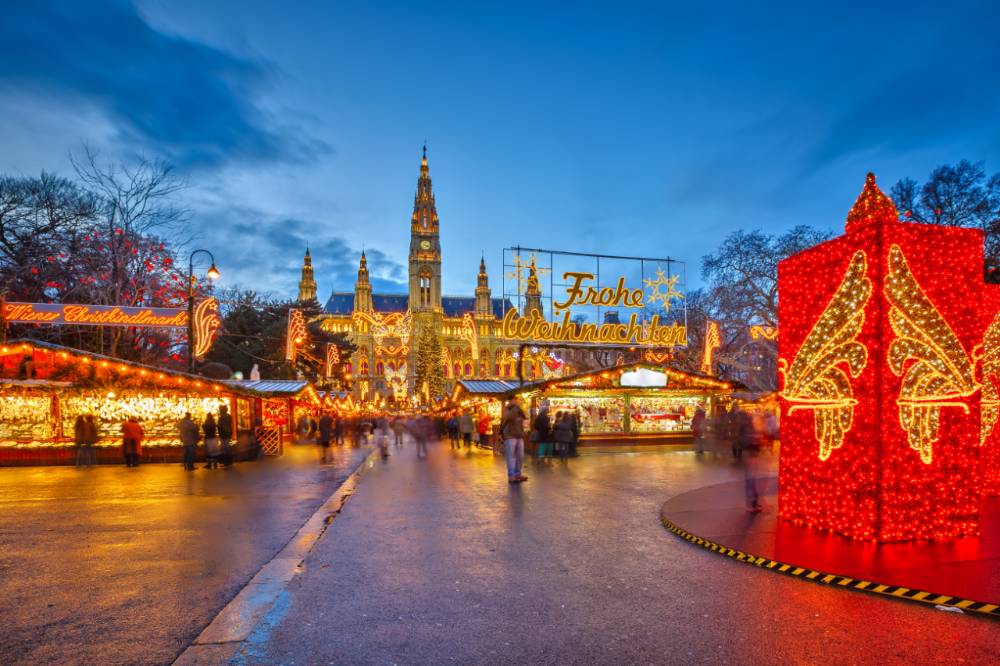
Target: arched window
[468, 369]
[364, 367]
[506, 370]
[379, 368]
[496, 369]
[425, 287]
[458, 370]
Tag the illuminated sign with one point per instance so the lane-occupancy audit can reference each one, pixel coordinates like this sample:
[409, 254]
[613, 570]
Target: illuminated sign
[643, 378]
[578, 303]
[206, 319]
[536, 327]
[93, 315]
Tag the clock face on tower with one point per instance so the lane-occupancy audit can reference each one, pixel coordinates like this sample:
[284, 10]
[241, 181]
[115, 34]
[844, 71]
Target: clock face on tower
[425, 245]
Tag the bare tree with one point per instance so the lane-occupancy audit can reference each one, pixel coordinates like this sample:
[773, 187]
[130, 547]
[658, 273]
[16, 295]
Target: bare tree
[742, 277]
[136, 202]
[962, 196]
[39, 218]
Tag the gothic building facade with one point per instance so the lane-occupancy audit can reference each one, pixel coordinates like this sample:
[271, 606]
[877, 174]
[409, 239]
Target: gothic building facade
[387, 328]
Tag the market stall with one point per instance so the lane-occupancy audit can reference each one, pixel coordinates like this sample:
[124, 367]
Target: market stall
[629, 404]
[283, 404]
[45, 387]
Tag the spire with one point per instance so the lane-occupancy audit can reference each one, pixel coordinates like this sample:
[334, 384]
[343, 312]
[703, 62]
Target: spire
[363, 288]
[533, 294]
[307, 284]
[484, 307]
[871, 206]
[425, 217]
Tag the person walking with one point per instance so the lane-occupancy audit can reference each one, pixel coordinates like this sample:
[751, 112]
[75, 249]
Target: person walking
[512, 431]
[132, 441]
[397, 431]
[483, 428]
[541, 432]
[211, 431]
[338, 430]
[698, 430]
[92, 436]
[225, 428]
[325, 429]
[465, 426]
[574, 425]
[189, 439]
[420, 430]
[562, 433]
[452, 425]
[80, 438]
[381, 434]
[748, 440]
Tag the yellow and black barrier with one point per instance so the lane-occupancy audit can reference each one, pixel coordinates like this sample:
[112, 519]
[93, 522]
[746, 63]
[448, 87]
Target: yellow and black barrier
[894, 591]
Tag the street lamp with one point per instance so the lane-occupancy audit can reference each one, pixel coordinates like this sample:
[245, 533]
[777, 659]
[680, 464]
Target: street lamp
[212, 274]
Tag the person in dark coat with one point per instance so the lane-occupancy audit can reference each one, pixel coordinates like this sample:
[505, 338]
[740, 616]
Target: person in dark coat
[542, 434]
[562, 433]
[325, 429]
[189, 439]
[225, 428]
[132, 441]
[211, 431]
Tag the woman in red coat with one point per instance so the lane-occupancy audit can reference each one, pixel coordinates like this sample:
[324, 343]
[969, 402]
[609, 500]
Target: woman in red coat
[132, 441]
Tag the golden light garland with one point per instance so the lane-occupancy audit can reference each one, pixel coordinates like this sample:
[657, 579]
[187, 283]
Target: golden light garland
[470, 334]
[387, 325]
[816, 379]
[763, 332]
[295, 333]
[990, 407]
[206, 322]
[713, 340]
[942, 373]
[332, 358]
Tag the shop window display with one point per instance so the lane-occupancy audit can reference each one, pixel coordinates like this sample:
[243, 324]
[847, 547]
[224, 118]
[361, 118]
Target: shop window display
[597, 415]
[661, 414]
[158, 414]
[25, 418]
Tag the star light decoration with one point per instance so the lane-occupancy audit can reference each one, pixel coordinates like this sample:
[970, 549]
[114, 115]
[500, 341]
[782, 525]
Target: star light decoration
[663, 289]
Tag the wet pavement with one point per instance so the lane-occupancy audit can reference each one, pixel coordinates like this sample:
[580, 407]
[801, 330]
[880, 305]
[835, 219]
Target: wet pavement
[126, 566]
[441, 561]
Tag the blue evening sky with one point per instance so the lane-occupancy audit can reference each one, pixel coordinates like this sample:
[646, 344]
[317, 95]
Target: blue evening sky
[626, 128]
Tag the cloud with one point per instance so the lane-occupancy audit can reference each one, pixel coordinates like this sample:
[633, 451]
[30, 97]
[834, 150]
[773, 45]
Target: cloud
[265, 253]
[185, 100]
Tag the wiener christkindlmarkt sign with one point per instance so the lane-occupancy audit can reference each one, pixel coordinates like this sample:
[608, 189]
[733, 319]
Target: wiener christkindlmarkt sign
[651, 315]
[205, 321]
[889, 345]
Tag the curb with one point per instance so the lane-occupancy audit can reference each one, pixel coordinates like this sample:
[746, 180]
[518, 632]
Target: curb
[836, 580]
[235, 622]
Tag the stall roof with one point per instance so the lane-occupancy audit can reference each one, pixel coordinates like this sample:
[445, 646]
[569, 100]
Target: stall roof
[22, 345]
[275, 387]
[545, 383]
[487, 386]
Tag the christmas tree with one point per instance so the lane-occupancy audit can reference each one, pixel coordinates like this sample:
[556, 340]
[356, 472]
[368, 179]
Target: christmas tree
[428, 362]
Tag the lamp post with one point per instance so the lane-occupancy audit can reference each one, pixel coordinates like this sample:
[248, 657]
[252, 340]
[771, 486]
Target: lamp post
[212, 274]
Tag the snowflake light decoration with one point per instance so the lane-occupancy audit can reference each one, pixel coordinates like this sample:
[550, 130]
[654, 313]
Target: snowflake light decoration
[663, 289]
